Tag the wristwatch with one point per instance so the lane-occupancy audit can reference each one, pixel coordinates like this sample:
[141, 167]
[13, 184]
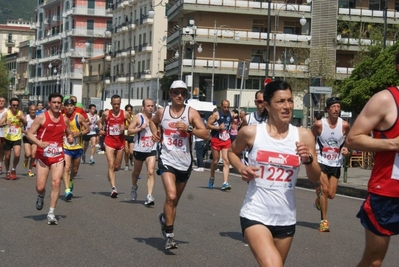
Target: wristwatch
[310, 160]
[190, 129]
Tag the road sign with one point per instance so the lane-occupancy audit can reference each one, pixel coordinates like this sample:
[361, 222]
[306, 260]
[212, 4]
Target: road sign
[267, 80]
[320, 90]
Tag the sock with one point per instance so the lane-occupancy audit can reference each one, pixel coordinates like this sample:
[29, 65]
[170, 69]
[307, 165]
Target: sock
[91, 157]
[51, 210]
[169, 229]
[13, 169]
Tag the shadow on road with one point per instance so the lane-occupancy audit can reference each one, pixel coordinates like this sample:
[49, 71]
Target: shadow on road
[43, 217]
[307, 224]
[233, 235]
[158, 243]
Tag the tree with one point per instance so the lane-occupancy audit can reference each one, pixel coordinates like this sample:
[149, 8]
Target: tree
[375, 72]
[4, 82]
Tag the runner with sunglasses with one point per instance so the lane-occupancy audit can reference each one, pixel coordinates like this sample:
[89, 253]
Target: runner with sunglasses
[330, 136]
[14, 122]
[257, 116]
[177, 122]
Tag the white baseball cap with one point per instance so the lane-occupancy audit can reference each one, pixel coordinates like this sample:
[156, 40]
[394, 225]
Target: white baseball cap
[178, 84]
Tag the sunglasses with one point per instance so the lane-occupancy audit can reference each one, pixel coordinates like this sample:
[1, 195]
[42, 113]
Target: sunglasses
[178, 92]
[15, 106]
[259, 101]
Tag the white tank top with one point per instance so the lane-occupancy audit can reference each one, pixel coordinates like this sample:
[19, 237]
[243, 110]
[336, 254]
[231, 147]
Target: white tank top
[253, 118]
[329, 144]
[270, 198]
[143, 139]
[175, 145]
[29, 122]
[2, 128]
[93, 123]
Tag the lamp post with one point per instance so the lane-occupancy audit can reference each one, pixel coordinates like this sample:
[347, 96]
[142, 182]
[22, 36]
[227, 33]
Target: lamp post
[302, 21]
[160, 46]
[267, 60]
[215, 32]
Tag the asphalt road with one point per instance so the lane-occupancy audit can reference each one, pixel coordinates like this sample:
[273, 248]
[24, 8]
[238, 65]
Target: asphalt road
[95, 230]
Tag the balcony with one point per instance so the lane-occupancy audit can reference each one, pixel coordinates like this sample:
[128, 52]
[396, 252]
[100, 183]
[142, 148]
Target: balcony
[88, 11]
[10, 43]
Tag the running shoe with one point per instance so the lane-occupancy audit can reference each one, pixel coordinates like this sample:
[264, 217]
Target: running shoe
[114, 193]
[199, 169]
[324, 226]
[162, 222]
[71, 185]
[68, 194]
[91, 161]
[51, 220]
[101, 152]
[317, 201]
[211, 182]
[31, 174]
[39, 202]
[133, 193]
[83, 159]
[127, 168]
[150, 201]
[14, 175]
[98, 146]
[170, 242]
[226, 186]
[8, 176]
[26, 163]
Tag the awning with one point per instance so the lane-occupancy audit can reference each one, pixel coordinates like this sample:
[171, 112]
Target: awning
[297, 114]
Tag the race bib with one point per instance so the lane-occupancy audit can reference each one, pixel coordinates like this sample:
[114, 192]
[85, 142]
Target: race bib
[53, 150]
[224, 135]
[13, 130]
[176, 140]
[115, 130]
[146, 142]
[330, 153]
[277, 170]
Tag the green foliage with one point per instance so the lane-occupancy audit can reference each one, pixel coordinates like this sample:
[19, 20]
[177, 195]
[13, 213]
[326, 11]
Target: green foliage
[4, 82]
[15, 9]
[375, 72]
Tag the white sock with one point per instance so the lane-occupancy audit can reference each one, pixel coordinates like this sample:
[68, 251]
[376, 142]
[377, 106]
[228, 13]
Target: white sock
[51, 210]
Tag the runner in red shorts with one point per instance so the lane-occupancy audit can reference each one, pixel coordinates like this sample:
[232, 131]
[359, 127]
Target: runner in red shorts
[47, 132]
[114, 140]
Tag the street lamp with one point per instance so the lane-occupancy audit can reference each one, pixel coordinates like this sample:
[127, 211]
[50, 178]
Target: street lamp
[159, 58]
[215, 32]
[191, 30]
[302, 21]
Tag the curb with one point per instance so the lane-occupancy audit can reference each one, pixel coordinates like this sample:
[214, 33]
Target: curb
[303, 182]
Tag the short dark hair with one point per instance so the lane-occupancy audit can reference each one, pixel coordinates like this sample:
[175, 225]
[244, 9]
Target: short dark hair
[91, 105]
[14, 99]
[55, 95]
[115, 97]
[128, 106]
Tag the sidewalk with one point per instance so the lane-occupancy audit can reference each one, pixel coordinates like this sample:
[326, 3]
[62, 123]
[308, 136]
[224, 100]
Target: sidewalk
[356, 185]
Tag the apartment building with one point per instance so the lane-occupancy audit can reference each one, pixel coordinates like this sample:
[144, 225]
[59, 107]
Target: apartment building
[67, 32]
[13, 33]
[138, 41]
[221, 41]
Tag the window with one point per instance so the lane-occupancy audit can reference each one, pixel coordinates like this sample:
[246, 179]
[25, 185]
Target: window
[253, 83]
[257, 56]
[90, 4]
[376, 4]
[347, 3]
[397, 5]
[9, 40]
[259, 25]
[292, 27]
[90, 24]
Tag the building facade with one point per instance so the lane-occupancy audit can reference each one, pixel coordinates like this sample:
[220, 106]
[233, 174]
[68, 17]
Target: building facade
[67, 32]
[139, 32]
[292, 40]
[13, 33]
